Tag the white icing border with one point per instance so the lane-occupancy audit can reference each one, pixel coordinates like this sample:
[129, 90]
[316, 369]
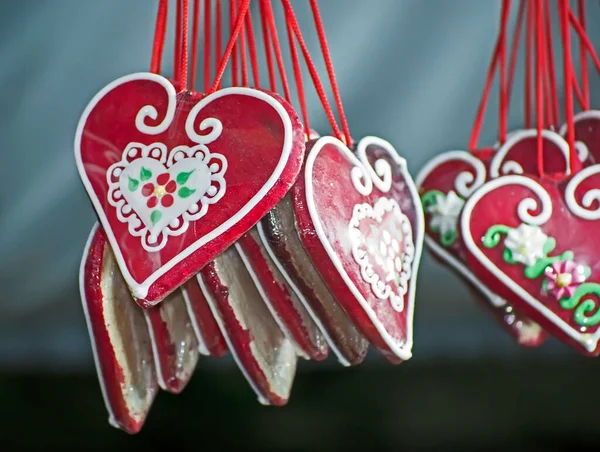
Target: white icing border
[217, 315]
[588, 341]
[111, 414]
[588, 198]
[140, 289]
[582, 149]
[437, 249]
[464, 178]
[404, 351]
[315, 318]
[267, 301]
[499, 167]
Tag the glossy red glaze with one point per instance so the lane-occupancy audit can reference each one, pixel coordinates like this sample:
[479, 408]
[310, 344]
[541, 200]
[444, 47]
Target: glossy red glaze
[443, 175]
[287, 309]
[205, 325]
[497, 203]
[262, 142]
[119, 336]
[326, 203]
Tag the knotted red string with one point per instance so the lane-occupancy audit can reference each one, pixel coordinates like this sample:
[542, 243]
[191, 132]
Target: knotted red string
[160, 34]
[207, 46]
[194, 56]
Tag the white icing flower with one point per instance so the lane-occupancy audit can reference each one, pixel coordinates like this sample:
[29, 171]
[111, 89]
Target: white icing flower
[526, 243]
[445, 212]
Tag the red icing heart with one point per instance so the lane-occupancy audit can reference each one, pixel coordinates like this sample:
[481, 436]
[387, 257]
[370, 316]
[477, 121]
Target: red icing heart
[176, 179]
[360, 220]
[587, 135]
[533, 242]
[119, 336]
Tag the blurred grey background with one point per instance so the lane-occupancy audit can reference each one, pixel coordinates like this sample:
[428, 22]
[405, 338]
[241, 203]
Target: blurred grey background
[410, 71]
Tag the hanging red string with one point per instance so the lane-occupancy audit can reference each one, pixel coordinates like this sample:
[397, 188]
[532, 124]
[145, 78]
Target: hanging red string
[330, 70]
[291, 18]
[274, 38]
[159, 36]
[252, 48]
[194, 57]
[490, 77]
[229, 49]
[585, 40]
[207, 36]
[244, 61]
[539, 100]
[178, 36]
[218, 37]
[233, 52]
[514, 53]
[548, 121]
[568, 82]
[528, 47]
[550, 62]
[267, 44]
[298, 77]
[502, 127]
[583, 58]
[183, 78]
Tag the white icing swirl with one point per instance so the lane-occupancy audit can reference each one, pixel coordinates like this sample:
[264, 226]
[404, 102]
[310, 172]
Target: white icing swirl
[591, 196]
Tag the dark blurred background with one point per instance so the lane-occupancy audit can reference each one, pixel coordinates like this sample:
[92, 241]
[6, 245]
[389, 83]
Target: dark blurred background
[410, 71]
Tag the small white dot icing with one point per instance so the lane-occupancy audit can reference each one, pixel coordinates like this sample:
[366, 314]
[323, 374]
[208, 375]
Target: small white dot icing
[117, 172]
[212, 190]
[132, 152]
[155, 152]
[214, 167]
[126, 209]
[193, 208]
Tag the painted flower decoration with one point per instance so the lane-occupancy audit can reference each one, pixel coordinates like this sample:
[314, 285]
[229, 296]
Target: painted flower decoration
[160, 192]
[563, 278]
[445, 213]
[526, 244]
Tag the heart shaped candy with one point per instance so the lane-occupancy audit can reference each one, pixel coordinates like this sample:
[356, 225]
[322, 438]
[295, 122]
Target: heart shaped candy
[174, 343]
[533, 242]
[119, 337]
[176, 179]
[262, 352]
[360, 220]
[285, 306]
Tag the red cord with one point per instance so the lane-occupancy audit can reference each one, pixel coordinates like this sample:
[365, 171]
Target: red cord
[229, 49]
[489, 79]
[548, 120]
[266, 41]
[184, 46]
[329, 65]
[218, 38]
[568, 76]
[177, 52]
[194, 58]
[539, 101]
[244, 61]
[515, 52]
[502, 127]
[298, 77]
[291, 18]
[233, 53]
[252, 47]
[583, 58]
[584, 39]
[551, 72]
[274, 38]
[159, 36]
[207, 36]
[528, 49]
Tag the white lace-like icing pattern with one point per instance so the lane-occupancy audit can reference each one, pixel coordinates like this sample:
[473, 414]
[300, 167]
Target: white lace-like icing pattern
[390, 250]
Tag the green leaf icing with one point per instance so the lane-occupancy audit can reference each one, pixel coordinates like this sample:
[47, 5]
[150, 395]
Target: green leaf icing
[133, 184]
[155, 216]
[145, 174]
[183, 177]
[184, 192]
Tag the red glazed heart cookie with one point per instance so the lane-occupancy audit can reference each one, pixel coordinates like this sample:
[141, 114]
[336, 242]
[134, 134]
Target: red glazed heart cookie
[176, 178]
[533, 242]
[262, 352]
[361, 222]
[174, 343]
[119, 337]
[285, 306]
[444, 184]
